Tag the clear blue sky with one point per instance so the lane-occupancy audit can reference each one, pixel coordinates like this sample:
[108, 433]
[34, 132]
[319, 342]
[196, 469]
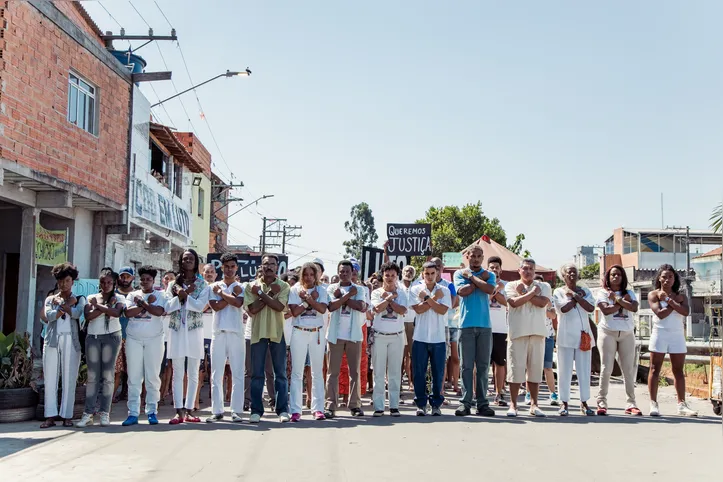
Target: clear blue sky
[565, 118]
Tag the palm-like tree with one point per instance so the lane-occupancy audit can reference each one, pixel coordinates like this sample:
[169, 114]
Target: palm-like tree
[716, 218]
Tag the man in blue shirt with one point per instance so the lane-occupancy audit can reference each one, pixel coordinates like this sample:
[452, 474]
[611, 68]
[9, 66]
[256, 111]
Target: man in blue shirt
[474, 285]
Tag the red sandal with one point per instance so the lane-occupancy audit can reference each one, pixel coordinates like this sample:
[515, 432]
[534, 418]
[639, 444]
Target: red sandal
[176, 420]
[602, 410]
[633, 411]
[192, 419]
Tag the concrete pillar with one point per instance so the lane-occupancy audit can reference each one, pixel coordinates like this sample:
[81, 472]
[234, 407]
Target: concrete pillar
[27, 275]
[98, 245]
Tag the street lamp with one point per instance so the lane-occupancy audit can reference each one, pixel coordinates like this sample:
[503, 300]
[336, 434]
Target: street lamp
[228, 73]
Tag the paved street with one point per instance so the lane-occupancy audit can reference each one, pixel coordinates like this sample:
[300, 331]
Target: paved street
[610, 448]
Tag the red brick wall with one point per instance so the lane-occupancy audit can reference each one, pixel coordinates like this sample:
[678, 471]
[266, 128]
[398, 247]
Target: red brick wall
[75, 11]
[196, 149]
[36, 59]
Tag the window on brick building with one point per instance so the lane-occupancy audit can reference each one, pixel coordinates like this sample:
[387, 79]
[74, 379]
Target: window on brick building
[201, 201]
[160, 163]
[82, 104]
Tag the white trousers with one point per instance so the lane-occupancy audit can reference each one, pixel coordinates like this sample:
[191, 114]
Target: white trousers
[232, 346]
[583, 362]
[143, 359]
[62, 361]
[387, 354]
[191, 387]
[313, 343]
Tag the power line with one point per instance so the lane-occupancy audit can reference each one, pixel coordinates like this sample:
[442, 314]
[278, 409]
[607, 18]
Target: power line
[170, 119]
[203, 114]
[110, 14]
[164, 15]
[139, 14]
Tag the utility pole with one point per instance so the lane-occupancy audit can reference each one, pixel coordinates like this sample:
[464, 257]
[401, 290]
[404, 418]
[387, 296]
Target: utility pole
[271, 234]
[288, 233]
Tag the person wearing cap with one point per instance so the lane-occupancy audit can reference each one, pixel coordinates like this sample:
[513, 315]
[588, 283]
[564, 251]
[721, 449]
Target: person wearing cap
[124, 287]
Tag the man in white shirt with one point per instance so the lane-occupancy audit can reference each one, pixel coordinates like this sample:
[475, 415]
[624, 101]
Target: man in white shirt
[390, 306]
[430, 301]
[227, 340]
[498, 318]
[345, 335]
[408, 274]
[527, 300]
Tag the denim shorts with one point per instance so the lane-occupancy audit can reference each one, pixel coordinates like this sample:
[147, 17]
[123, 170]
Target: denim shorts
[453, 335]
[549, 349]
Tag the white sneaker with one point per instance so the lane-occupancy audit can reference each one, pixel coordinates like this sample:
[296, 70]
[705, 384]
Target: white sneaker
[235, 417]
[536, 412]
[85, 421]
[654, 410]
[512, 411]
[284, 417]
[686, 411]
[255, 418]
[104, 419]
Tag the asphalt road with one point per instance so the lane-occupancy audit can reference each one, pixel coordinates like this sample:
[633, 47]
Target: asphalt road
[577, 448]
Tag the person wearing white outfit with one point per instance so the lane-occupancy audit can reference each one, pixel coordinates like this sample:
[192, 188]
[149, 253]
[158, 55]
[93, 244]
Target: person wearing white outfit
[227, 341]
[390, 305]
[616, 335]
[187, 297]
[574, 338]
[144, 346]
[308, 303]
[61, 349]
[670, 307]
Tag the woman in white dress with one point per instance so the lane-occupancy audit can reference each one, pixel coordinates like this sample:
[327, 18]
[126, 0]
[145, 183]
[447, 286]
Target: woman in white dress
[670, 307]
[187, 297]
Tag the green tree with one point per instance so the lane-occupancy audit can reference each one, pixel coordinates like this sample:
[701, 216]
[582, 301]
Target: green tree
[362, 230]
[716, 218]
[516, 247]
[591, 271]
[454, 228]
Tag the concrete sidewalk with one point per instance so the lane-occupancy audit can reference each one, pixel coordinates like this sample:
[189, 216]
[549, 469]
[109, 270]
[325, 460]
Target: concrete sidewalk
[576, 448]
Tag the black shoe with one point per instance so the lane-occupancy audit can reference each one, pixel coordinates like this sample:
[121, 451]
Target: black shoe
[355, 412]
[462, 411]
[485, 412]
[394, 412]
[378, 413]
[330, 414]
[214, 418]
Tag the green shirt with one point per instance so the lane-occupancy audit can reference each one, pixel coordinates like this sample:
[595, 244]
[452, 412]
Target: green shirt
[267, 323]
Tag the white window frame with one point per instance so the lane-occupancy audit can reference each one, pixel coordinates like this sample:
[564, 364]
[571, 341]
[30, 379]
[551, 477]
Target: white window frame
[82, 94]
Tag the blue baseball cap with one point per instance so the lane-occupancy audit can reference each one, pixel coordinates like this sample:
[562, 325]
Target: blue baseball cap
[127, 270]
